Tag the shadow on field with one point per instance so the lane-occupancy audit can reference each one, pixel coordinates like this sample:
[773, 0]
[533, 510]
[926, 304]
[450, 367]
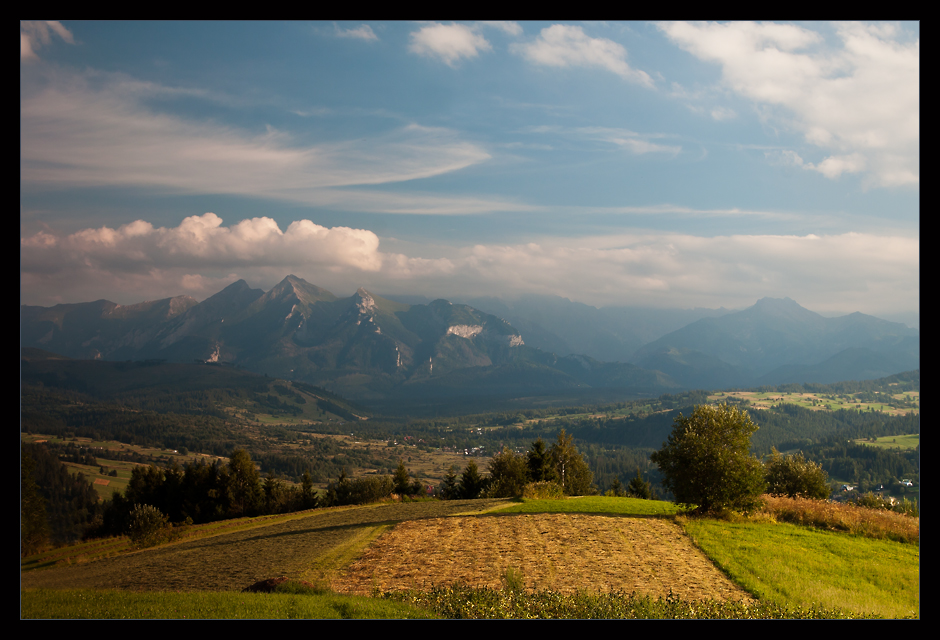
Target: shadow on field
[231, 560]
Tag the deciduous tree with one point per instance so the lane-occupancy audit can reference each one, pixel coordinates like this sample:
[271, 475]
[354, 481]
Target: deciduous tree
[571, 470]
[706, 460]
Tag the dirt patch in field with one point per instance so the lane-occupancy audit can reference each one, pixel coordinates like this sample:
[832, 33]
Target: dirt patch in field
[562, 552]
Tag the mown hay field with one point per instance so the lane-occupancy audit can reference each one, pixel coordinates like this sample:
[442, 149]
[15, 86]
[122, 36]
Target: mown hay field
[361, 550]
[564, 552]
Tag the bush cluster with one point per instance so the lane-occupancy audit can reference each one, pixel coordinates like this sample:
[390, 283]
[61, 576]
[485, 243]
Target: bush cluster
[543, 491]
[147, 526]
[796, 477]
[872, 501]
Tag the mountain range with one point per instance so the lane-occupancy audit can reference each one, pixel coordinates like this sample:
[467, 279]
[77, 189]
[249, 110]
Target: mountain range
[369, 347]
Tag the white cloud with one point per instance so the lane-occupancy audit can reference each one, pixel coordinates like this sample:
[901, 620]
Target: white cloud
[568, 46]
[877, 274]
[35, 34]
[858, 102]
[363, 32]
[450, 43]
[636, 143]
[509, 28]
[723, 113]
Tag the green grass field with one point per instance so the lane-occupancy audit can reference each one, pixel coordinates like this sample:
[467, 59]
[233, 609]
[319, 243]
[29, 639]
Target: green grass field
[112, 604]
[903, 402]
[798, 566]
[595, 504]
[909, 441]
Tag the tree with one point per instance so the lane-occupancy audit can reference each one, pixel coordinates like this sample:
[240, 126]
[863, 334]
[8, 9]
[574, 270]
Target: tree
[471, 482]
[639, 488]
[34, 529]
[450, 489]
[402, 480]
[540, 463]
[308, 499]
[508, 474]
[570, 468]
[706, 460]
[616, 489]
[796, 477]
[243, 485]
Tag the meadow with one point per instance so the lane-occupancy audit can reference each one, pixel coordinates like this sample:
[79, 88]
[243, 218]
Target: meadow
[894, 404]
[580, 557]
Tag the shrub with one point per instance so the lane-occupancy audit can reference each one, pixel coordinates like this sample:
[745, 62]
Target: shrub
[796, 477]
[706, 460]
[543, 491]
[872, 501]
[147, 526]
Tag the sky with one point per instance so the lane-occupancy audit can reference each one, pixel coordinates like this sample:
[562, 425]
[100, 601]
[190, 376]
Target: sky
[670, 165]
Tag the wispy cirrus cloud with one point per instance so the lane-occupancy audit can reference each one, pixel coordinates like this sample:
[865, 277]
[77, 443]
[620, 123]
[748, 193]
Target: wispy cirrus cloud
[632, 141]
[79, 133]
[568, 46]
[858, 102]
[36, 34]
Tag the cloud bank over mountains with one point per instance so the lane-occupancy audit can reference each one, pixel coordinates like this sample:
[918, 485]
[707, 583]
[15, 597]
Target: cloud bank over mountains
[638, 269]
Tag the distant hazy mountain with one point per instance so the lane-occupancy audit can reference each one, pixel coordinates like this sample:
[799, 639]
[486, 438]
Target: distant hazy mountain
[776, 340]
[609, 334]
[369, 347]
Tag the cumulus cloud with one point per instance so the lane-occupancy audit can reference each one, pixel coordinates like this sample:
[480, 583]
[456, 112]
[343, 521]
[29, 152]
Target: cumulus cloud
[35, 34]
[568, 46]
[99, 131]
[202, 241]
[841, 273]
[199, 253]
[858, 102]
[448, 42]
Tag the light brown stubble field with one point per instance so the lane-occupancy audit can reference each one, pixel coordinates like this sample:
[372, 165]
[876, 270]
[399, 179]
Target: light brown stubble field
[562, 552]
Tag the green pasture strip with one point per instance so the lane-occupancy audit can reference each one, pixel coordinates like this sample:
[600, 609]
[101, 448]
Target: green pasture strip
[76, 553]
[330, 562]
[909, 441]
[798, 566]
[90, 604]
[595, 504]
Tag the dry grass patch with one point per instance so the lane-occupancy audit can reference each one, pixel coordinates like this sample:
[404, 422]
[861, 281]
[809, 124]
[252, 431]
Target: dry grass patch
[834, 516]
[561, 552]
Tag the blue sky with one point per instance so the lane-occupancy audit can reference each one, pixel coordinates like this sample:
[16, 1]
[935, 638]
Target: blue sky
[642, 164]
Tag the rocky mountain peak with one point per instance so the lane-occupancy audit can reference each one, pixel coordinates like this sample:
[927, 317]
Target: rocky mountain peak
[364, 301]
